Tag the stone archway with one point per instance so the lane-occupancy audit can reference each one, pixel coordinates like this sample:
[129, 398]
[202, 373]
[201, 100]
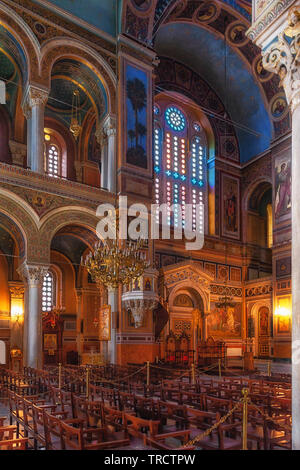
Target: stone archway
[62, 48]
[260, 340]
[60, 218]
[190, 283]
[24, 224]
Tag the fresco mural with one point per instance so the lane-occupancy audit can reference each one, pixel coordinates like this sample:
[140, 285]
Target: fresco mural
[230, 206]
[136, 103]
[283, 200]
[224, 323]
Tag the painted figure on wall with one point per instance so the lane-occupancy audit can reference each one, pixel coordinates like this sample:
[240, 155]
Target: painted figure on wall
[282, 189]
[230, 206]
[223, 322]
[136, 89]
[263, 321]
[230, 211]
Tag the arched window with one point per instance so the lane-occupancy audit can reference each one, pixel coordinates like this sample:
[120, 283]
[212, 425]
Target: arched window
[179, 161]
[52, 156]
[48, 292]
[52, 159]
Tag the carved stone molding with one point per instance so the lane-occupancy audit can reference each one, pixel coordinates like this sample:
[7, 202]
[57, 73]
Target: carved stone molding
[16, 290]
[282, 57]
[78, 171]
[100, 135]
[270, 14]
[186, 274]
[18, 152]
[33, 274]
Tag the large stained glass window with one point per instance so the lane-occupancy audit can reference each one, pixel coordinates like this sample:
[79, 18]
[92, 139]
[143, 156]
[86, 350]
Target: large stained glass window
[179, 162]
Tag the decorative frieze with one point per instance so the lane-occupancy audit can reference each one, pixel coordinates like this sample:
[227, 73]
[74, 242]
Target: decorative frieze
[226, 290]
[265, 289]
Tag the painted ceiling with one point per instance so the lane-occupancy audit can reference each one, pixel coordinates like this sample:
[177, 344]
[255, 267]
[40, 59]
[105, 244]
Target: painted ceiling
[98, 13]
[12, 68]
[68, 76]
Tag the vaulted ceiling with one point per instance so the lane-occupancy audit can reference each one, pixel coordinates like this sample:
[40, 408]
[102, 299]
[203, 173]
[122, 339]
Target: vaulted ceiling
[199, 34]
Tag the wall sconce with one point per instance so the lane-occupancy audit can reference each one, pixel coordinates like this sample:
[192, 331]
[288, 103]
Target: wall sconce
[16, 312]
[282, 312]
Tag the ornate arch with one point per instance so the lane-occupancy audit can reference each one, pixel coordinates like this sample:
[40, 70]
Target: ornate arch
[24, 223]
[185, 276]
[192, 290]
[24, 37]
[62, 48]
[254, 312]
[246, 197]
[174, 76]
[252, 187]
[55, 220]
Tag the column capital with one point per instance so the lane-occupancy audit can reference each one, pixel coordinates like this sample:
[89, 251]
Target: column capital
[34, 96]
[100, 135]
[33, 274]
[109, 125]
[283, 58]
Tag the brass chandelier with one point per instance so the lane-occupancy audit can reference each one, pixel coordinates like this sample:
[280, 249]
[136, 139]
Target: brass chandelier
[115, 262]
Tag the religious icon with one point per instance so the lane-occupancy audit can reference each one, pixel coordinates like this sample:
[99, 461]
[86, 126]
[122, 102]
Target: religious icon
[261, 72]
[237, 34]
[225, 322]
[50, 341]
[230, 210]
[263, 321]
[282, 189]
[283, 324]
[206, 12]
[104, 323]
[230, 206]
[279, 107]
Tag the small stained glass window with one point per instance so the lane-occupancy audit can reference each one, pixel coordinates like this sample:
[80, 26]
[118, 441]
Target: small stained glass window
[52, 159]
[175, 119]
[47, 292]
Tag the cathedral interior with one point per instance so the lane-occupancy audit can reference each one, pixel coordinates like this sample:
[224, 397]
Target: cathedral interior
[178, 102]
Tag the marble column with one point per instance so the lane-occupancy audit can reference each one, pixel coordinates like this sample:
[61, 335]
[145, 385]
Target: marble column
[34, 103]
[109, 129]
[33, 275]
[281, 56]
[27, 114]
[113, 302]
[103, 142]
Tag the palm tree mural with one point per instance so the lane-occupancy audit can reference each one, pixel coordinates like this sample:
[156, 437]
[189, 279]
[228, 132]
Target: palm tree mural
[136, 93]
[131, 135]
[141, 131]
